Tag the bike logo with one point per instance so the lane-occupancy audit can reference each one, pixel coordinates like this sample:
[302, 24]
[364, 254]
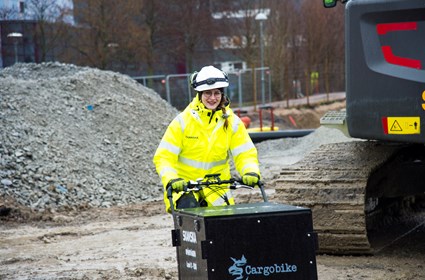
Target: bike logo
[237, 268]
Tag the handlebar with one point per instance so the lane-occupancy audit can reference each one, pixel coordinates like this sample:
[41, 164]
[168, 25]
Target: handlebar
[234, 184]
[214, 179]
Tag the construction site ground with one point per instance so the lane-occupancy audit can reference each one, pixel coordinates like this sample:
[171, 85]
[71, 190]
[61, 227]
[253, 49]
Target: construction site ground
[134, 241]
[81, 200]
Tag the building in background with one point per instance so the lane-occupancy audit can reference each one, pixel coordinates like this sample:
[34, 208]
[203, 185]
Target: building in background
[33, 21]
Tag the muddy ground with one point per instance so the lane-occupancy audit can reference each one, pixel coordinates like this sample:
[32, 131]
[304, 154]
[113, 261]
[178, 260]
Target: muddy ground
[134, 242]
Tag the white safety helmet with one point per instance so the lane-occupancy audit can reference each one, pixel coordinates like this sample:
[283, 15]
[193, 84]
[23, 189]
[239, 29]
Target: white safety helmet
[209, 78]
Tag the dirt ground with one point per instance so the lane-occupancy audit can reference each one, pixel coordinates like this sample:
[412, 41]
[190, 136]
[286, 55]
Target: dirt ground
[134, 242]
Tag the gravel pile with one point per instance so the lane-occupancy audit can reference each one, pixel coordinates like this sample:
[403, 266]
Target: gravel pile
[76, 136]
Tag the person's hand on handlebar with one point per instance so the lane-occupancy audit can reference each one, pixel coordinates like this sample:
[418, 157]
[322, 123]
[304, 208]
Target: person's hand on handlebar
[177, 185]
[251, 179]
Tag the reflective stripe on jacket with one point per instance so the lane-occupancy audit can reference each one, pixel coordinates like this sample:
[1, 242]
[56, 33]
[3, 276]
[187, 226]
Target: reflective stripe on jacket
[196, 144]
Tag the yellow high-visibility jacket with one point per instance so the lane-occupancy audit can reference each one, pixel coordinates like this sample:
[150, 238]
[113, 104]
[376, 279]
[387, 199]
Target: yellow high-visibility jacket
[196, 144]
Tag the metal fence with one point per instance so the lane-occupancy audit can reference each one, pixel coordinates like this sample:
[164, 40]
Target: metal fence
[246, 88]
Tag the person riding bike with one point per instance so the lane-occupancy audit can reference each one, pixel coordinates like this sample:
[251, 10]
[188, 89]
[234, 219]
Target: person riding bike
[200, 141]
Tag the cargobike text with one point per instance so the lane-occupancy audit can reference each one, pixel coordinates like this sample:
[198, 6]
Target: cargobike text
[268, 270]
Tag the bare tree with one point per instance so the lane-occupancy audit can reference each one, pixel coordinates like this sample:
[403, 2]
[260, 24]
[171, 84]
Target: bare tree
[250, 51]
[190, 30]
[106, 32]
[242, 27]
[50, 28]
[283, 54]
[334, 52]
[323, 31]
[154, 18]
[8, 13]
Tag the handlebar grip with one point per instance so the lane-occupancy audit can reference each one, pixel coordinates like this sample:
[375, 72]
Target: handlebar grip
[263, 192]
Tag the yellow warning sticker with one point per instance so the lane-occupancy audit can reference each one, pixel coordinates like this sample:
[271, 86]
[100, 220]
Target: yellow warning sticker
[404, 125]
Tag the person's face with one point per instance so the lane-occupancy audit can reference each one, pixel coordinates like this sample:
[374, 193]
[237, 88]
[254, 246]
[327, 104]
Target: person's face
[211, 98]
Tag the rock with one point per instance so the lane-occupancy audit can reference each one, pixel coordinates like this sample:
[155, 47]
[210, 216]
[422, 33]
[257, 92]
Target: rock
[6, 182]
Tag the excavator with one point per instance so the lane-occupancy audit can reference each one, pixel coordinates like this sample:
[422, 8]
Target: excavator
[377, 179]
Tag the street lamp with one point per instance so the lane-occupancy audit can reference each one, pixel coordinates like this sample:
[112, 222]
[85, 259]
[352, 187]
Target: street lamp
[261, 17]
[15, 36]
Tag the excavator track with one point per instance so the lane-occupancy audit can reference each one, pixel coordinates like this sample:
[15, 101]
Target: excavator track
[332, 181]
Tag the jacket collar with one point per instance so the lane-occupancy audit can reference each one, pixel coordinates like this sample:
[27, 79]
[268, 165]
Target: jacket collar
[199, 107]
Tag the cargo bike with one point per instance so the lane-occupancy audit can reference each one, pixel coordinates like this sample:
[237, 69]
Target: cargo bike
[263, 240]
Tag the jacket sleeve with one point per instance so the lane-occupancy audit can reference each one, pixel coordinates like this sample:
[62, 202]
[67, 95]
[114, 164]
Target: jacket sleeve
[167, 153]
[243, 149]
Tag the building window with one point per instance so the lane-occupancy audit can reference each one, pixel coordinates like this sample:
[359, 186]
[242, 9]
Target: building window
[21, 7]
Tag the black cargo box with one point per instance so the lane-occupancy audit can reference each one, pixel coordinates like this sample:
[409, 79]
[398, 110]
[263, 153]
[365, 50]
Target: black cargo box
[245, 241]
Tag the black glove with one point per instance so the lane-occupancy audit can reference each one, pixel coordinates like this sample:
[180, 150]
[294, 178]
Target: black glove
[251, 179]
[178, 185]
